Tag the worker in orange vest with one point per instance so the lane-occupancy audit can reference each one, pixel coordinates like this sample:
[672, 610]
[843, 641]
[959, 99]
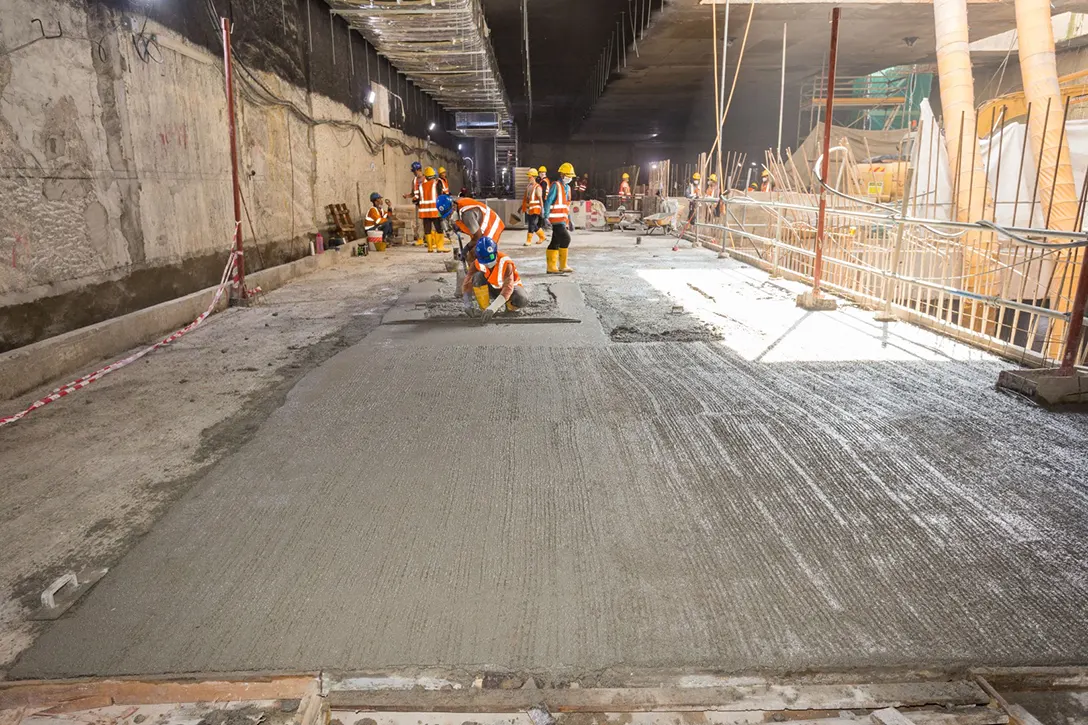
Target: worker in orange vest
[428, 212]
[625, 188]
[443, 181]
[493, 282]
[557, 210]
[694, 192]
[472, 217]
[417, 182]
[767, 184]
[532, 206]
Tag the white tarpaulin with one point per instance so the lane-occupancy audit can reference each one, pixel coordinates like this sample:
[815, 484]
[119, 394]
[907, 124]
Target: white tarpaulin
[1001, 156]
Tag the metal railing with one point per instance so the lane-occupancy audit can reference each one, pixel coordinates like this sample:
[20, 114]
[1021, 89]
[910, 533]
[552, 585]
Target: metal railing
[1004, 289]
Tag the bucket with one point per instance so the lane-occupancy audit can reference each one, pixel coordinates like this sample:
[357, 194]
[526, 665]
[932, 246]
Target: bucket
[375, 237]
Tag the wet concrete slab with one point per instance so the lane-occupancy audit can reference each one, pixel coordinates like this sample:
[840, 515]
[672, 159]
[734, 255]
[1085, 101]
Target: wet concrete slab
[810, 491]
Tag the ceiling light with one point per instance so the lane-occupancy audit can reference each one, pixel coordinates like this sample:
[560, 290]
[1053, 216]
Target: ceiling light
[372, 96]
[431, 127]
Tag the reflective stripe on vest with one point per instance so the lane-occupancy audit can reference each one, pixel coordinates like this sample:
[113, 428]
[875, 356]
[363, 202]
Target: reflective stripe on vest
[445, 185]
[496, 276]
[428, 200]
[533, 201]
[490, 225]
[560, 211]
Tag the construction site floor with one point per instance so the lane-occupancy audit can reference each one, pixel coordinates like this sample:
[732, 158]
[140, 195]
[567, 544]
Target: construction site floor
[694, 474]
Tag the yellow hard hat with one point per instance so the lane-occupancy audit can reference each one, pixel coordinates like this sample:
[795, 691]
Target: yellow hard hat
[713, 177]
[566, 169]
[533, 172]
[765, 173]
[428, 172]
[696, 176]
[441, 169]
[543, 169]
[627, 176]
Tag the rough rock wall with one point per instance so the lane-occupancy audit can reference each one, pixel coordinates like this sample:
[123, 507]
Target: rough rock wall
[114, 165]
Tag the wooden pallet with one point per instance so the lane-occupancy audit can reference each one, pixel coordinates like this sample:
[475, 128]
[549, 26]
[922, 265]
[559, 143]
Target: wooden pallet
[341, 222]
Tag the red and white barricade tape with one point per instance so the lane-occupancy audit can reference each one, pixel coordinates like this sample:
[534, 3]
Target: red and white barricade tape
[229, 278]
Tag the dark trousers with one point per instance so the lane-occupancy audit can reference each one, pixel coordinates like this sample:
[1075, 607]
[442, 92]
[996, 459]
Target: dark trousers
[387, 230]
[518, 298]
[432, 225]
[533, 222]
[560, 237]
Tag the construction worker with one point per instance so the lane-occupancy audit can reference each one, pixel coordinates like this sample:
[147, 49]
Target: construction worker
[694, 192]
[557, 211]
[493, 282]
[474, 218]
[625, 188]
[532, 206]
[443, 181]
[542, 179]
[414, 195]
[583, 187]
[767, 184]
[380, 216]
[428, 212]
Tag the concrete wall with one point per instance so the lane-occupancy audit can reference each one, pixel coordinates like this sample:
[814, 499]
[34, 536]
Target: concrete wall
[115, 186]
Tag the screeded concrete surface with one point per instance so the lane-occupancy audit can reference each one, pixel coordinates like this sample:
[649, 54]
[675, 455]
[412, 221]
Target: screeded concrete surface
[809, 491]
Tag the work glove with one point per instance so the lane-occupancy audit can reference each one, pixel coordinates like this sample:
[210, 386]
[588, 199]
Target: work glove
[497, 304]
[472, 309]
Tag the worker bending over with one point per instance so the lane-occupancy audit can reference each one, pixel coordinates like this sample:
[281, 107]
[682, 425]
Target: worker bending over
[625, 188]
[414, 195]
[533, 207]
[557, 211]
[473, 217]
[428, 213]
[443, 181]
[380, 216]
[493, 282]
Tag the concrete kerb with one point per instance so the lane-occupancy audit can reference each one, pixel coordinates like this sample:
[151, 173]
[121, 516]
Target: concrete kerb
[29, 367]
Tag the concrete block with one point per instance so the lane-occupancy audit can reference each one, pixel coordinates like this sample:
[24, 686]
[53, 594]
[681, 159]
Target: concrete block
[1047, 387]
[28, 367]
[809, 301]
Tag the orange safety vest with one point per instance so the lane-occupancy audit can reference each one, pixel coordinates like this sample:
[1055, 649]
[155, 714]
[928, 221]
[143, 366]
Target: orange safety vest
[560, 211]
[376, 216]
[417, 183]
[765, 186]
[491, 226]
[533, 202]
[625, 189]
[445, 185]
[504, 268]
[428, 200]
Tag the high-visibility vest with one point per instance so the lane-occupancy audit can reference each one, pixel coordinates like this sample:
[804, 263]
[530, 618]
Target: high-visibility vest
[625, 189]
[533, 202]
[445, 183]
[504, 268]
[560, 211]
[428, 200]
[376, 216]
[693, 191]
[417, 184]
[765, 186]
[491, 226]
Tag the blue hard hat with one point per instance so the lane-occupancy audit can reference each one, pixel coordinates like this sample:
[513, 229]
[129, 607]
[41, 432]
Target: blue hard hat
[416, 166]
[486, 250]
[445, 205]
[375, 197]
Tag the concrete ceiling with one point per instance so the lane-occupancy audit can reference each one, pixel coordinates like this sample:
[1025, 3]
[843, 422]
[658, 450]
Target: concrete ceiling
[666, 89]
[565, 37]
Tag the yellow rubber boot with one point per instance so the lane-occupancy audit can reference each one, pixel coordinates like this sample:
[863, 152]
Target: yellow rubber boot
[434, 242]
[430, 242]
[483, 296]
[529, 239]
[419, 240]
[440, 242]
[553, 260]
[540, 237]
[563, 261]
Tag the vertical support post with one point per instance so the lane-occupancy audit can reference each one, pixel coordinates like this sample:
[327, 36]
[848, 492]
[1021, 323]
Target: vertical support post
[821, 217]
[1076, 319]
[897, 251]
[782, 93]
[238, 294]
[777, 241]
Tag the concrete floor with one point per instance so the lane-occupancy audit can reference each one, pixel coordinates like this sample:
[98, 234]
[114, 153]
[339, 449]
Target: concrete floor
[740, 485]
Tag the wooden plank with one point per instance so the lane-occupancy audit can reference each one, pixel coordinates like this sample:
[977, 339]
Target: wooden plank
[756, 697]
[46, 693]
[1022, 717]
[1035, 678]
